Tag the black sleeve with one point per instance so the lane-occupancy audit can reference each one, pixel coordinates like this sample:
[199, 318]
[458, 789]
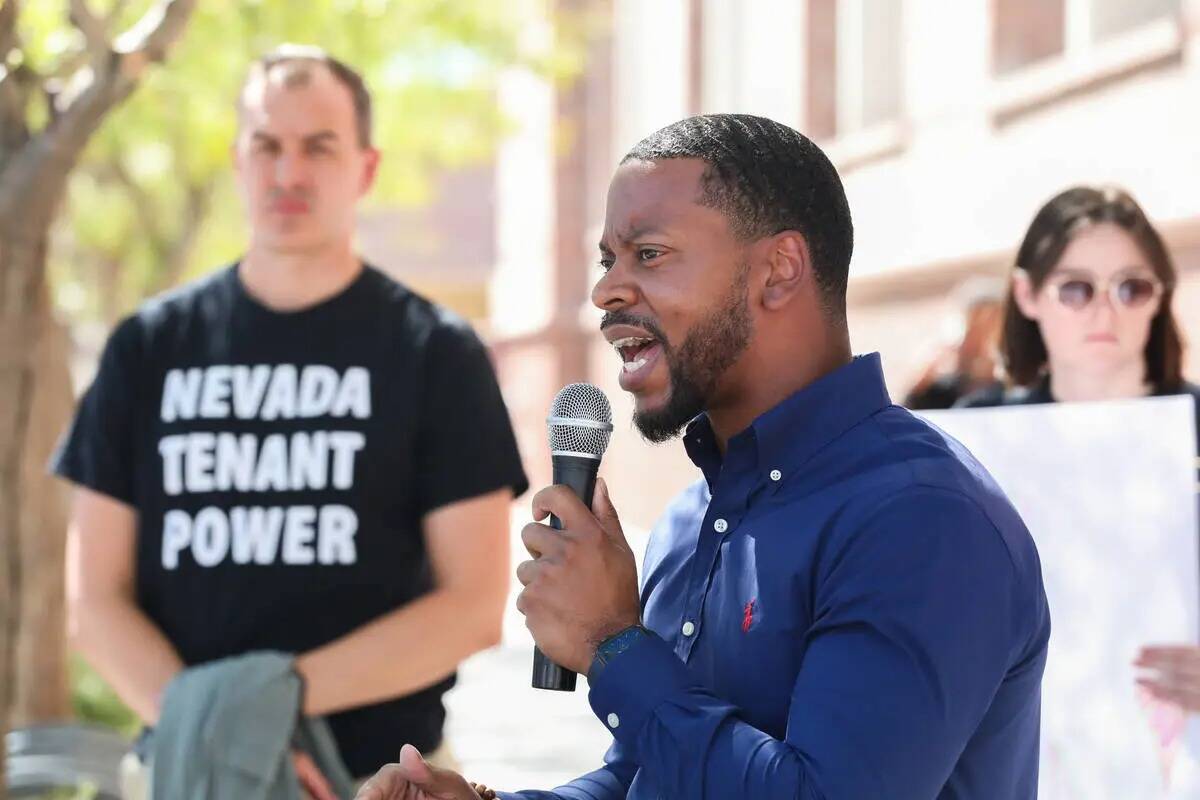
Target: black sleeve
[465, 446]
[942, 393]
[97, 450]
[987, 397]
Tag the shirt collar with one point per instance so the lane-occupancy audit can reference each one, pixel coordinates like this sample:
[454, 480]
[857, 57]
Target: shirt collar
[786, 436]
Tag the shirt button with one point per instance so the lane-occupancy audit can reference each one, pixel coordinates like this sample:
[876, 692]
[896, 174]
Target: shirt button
[720, 526]
[776, 474]
[613, 720]
[689, 628]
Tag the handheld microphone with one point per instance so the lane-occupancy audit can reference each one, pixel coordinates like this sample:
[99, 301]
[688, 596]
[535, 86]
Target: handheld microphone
[579, 426]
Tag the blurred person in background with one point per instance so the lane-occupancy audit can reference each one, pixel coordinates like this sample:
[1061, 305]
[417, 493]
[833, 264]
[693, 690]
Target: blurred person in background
[295, 454]
[1088, 317]
[969, 365]
[843, 605]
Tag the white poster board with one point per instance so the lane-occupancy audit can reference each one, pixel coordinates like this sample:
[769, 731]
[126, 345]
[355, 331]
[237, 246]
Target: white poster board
[1109, 492]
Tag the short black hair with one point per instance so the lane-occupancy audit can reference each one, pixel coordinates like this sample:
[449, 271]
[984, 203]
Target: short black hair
[766, 178]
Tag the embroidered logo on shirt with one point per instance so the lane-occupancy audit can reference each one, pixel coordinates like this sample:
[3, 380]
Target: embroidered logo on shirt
[747, 616]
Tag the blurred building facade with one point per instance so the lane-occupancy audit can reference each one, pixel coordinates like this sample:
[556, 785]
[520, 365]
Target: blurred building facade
[951, 123]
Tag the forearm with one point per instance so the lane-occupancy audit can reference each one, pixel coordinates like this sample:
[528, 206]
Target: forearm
[401, 652]
[690, 743]
[610, 782]
[128, 650]
[602, 784]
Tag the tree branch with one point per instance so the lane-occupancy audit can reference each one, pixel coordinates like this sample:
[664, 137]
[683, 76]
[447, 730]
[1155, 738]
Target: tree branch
[12, 108]
[13, 97]
[143, 204]
[171, 249]
[148, 40]
[175, 259]
[44, 164]
[69, 64]
[51, 89]
[16, 85]
[8, 28]
[93, 28]
[101, 29]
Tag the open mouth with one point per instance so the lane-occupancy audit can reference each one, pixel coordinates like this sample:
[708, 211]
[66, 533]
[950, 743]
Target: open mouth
[636, 351]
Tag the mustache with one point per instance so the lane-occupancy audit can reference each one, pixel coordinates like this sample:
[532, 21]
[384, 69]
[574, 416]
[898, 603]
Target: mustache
[275, 195]
[611, 318]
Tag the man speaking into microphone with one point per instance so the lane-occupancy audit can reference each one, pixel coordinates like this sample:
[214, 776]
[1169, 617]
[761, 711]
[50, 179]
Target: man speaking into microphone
[845, 605]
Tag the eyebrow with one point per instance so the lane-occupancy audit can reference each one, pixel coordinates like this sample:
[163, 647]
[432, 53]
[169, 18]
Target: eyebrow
[631, 234]
[320, 136]
[1084, 271]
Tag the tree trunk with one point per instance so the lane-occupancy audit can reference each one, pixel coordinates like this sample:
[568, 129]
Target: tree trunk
[41, 690]
[34, 166]
[22, 273]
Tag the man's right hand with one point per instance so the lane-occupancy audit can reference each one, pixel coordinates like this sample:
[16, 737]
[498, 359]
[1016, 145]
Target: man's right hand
[412, 778]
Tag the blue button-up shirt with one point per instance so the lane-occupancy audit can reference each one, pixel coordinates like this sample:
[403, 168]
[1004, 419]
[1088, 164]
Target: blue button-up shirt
[846, 607]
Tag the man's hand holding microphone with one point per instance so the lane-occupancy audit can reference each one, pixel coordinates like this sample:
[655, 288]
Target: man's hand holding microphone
[580, 586]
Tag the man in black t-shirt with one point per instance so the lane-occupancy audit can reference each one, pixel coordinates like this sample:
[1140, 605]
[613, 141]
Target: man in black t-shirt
[296, 453]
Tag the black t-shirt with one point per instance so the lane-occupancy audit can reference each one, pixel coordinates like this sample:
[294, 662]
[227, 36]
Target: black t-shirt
[281, 464]
[946, 391]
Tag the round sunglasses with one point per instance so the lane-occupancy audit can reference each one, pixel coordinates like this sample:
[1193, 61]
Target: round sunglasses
[1124, 291]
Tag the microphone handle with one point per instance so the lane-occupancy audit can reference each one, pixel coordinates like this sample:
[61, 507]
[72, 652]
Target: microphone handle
[579, 473]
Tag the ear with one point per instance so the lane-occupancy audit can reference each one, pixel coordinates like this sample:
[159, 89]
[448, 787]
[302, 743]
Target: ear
[789, 268]
[1024, 294]
[371, 158]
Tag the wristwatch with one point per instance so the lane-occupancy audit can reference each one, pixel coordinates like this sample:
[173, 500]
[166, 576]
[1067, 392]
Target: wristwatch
[614, 646]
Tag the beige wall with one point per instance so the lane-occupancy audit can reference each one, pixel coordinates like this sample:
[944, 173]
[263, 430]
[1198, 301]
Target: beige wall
[943, 193]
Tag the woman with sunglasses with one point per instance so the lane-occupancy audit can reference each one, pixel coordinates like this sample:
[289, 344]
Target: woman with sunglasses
[1088, 317]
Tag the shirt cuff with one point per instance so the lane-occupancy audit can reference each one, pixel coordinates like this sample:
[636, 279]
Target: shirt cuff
[634, 684]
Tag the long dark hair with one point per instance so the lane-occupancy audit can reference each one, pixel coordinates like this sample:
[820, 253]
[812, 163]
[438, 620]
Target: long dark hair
[1056, 224]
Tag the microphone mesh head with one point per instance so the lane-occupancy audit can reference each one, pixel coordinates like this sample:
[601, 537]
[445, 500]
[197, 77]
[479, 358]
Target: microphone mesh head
[580, 421]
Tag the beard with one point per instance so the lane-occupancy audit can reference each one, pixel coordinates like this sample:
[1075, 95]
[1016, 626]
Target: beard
[709, 349]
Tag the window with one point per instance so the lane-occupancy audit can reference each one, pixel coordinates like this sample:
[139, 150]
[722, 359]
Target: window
[1109, 18]
[1026, 32]
[854, 66]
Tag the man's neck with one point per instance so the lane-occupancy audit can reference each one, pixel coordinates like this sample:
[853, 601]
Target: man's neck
[292, 281]
[773, 376]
